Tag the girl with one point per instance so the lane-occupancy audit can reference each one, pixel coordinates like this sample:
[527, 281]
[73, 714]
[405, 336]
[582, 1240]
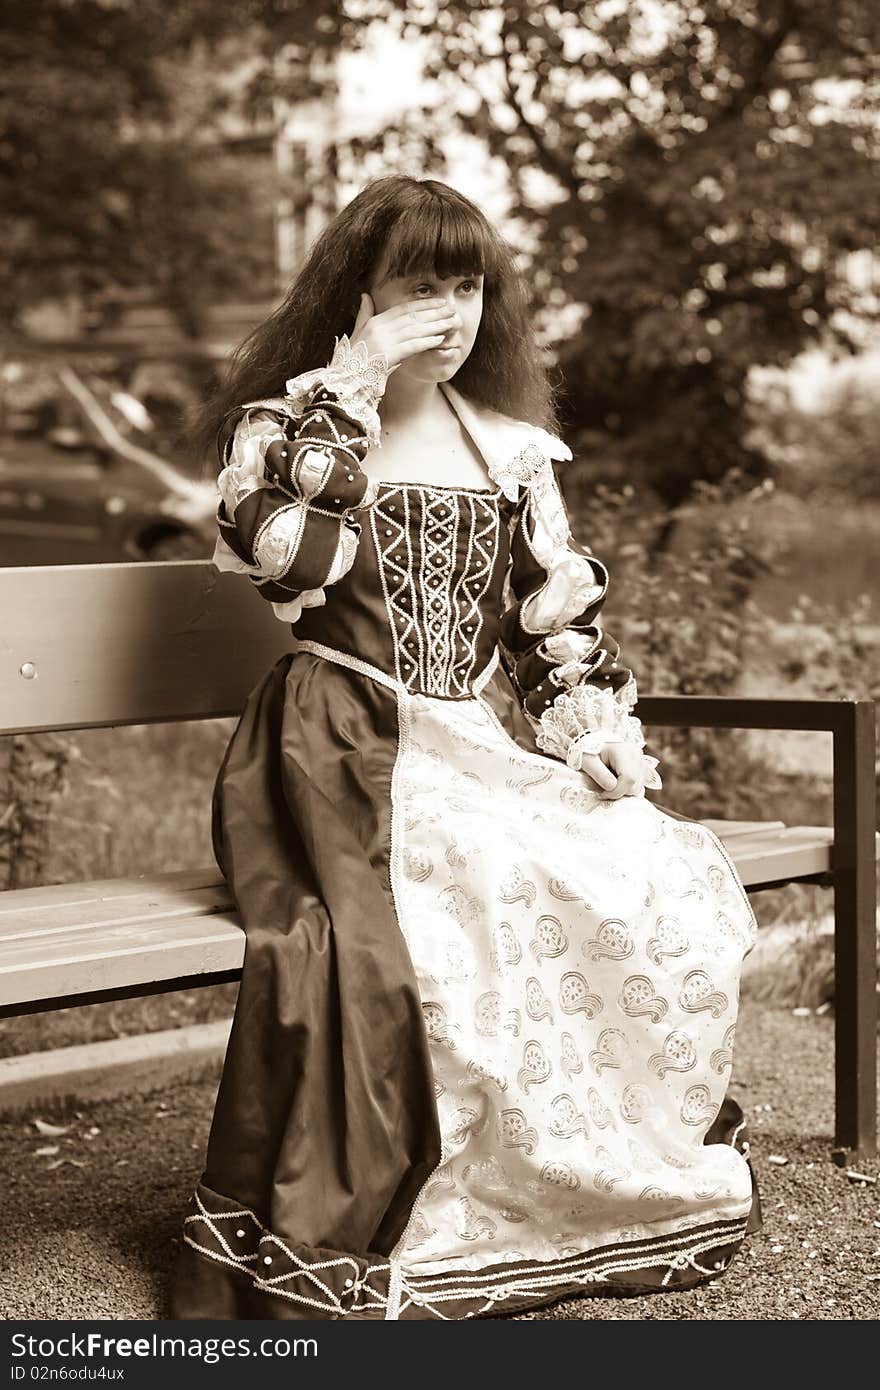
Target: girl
[488, 1002]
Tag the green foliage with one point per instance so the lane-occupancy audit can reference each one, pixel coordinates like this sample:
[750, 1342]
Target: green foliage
[685, 196]
[686, 613]
[688, 624]
[838, 650]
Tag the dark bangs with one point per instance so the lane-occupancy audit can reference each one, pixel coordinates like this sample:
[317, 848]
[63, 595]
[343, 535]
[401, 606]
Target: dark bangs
[437, 233]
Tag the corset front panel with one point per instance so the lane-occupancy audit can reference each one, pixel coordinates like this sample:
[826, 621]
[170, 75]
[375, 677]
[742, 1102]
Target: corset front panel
[422, 601]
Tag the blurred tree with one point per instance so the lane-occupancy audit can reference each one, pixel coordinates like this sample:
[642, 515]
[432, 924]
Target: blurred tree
[105, 174]
[691, 176]
[829, 453]
[687, 178]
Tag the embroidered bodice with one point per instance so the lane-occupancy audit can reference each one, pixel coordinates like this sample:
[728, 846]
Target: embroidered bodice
[427, 585]
[423, 598]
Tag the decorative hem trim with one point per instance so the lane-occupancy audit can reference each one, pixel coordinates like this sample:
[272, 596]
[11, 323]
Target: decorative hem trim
[677, 1253]
[338, 1286]
[317, 1276]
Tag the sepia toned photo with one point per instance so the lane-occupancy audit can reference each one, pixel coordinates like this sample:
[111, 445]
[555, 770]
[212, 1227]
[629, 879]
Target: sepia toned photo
[439, 517]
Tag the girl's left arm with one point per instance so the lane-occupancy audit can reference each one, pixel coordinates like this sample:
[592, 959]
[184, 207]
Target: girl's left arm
[575, 691]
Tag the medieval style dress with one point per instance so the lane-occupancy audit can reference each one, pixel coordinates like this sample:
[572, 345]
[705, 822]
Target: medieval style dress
[486, 1016]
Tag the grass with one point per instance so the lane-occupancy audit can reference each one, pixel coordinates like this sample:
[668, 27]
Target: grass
[835, 563]
[139, 800]
[824, 549]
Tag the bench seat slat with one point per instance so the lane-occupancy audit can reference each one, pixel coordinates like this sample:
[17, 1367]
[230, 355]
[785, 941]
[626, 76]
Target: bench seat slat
[796, 851]
[733, 829]
[67, 941]
[17, 900]
[167, 950]
[39, 921]
[779, 859]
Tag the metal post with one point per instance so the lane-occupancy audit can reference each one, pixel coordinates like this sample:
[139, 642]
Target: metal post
[855, 946]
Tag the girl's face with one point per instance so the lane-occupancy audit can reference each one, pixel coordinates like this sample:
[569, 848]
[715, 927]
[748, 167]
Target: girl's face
[464, 297]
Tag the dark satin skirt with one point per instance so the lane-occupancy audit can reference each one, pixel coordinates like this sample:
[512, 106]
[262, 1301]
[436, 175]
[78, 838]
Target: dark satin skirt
[325, 1124]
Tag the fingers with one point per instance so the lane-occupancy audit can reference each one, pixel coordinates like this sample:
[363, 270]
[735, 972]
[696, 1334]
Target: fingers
[594, 767]
[405, 329]
[626, 786]
[415, 306]
[418, 312]
[609, 787]
[426, 324]
[414, 313]
[425, 329]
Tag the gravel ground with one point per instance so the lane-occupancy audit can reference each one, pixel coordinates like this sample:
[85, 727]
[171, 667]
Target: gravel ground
[93, 1214]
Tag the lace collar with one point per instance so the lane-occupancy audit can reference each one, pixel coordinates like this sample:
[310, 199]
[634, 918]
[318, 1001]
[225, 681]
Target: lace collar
[517, 454]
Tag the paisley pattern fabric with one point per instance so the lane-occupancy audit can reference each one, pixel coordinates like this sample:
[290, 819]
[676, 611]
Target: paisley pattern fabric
[486, 1017]
[579, 999]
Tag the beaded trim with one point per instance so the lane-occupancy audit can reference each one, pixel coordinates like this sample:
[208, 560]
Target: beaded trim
[677, 1252]
[354, 663]
[315, 1274]
[434, 590]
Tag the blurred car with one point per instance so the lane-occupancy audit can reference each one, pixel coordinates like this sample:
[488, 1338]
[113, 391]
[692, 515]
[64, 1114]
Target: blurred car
[80, 482]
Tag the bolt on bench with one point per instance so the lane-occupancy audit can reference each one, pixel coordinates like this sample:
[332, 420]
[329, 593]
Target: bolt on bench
[83, 646]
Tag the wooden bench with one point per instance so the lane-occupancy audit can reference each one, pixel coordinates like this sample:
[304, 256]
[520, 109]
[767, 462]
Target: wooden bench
[103, 645]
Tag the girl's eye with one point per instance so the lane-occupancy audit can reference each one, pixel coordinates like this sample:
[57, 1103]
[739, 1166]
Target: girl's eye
[470, 286]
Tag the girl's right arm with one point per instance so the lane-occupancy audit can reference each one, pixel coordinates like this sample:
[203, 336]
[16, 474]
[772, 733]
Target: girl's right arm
[292, 488]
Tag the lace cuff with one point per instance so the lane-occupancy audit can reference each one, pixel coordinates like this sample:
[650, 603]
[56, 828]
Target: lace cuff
[583, 719]
[357, 379]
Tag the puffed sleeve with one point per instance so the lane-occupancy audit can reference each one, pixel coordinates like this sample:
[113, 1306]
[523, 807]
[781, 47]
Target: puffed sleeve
[575, 691]
[291, 486]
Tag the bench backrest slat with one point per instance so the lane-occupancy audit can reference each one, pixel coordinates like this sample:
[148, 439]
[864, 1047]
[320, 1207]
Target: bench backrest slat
[130, 644]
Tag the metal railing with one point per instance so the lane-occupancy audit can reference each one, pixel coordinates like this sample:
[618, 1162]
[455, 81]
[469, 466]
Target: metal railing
[851, 724]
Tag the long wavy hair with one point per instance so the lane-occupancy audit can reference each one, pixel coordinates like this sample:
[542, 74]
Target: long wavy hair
[425, 226]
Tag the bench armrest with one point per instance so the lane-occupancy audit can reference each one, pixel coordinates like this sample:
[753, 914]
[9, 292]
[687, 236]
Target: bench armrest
[755, 712]
[851, 724]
